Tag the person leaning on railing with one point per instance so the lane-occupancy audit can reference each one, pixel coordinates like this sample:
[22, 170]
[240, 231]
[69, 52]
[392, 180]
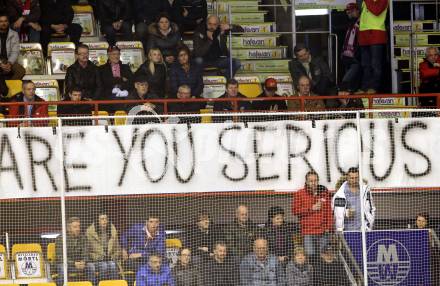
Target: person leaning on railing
[75, 108]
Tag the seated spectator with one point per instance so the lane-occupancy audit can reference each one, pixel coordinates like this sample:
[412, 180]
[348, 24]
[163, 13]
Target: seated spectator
[24, 16]
[329, 270]
[154, 273]
[298, 271]
[141, 240]
[232, 92]
[184, 93]
[210, 45]
[219, 269]
[184, 71]
[75, 108]
[429, 77]
[103, 247]
[188, 14]
[269, 90]
[141, 92]
[185, 272]
[261, 268]
[314, 68]
[240, 234]
[9, 51]
[115, 19]
[56, 18]
[154, 71]
[279, 235]
[84, 74]
[164, 36]
[29, 111]
[4, 90]
[77, 261]
[303, 87]
[145, 13]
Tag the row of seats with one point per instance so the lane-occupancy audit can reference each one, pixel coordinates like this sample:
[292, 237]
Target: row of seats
[79, 283]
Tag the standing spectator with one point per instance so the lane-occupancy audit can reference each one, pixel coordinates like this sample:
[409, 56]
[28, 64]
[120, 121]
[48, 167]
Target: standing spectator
[154, 71]
[350, 56]
[84, 74]
[219, 269]
[261, 268]
[186, 72]
[75, 108]
[24, 16]
[164, 36]
[298, 271]
[429, 77]
[103, 247]
[56, 17]
[304, 89]
[270, 87]
[346, 204]
[155, 273]
[312, 205]
[115, 18]
[76, 245]
[185, 272]
[145, 13]
[9, 51]
[372, 40]
[279, 234]
[241, 233]
[188, 14]
[329, 271]
[210, 45]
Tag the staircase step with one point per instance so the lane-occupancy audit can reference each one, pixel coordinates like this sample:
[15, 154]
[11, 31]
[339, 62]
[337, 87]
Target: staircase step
[265, 65]
[238, 18]
[265, 27]
[260, 53]
[259, 41]
[419, 39]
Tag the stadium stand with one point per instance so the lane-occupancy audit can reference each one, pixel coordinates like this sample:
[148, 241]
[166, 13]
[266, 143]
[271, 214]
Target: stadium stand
[61, 56]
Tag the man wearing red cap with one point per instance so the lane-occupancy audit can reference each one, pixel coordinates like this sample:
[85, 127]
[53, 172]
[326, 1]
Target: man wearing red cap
[269, 90]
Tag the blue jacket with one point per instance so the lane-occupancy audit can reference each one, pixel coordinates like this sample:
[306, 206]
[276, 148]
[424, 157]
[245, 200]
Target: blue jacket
[133, 240]
[146, 277]
[193, 79]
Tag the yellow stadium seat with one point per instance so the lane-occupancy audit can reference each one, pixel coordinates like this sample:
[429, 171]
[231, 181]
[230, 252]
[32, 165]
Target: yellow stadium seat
[83, 15]
[80, 283]
[120, 121]
[250, 90]
[43, 284]
[51, 254]
[113, 283]
[4, 261]
[14, 87]
[29, 261]
[206, 118]
[132, 53]
[173, 243]
[32, 59]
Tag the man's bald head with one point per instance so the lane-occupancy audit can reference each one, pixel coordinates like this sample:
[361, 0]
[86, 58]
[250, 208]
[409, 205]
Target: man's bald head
[212, 23]
[242, 214]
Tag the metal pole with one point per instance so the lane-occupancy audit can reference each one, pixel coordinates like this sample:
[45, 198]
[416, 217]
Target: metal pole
[329, 40]
[293, 25]
[363, 228]
[411, 50]
[394, 85]
[230, 39]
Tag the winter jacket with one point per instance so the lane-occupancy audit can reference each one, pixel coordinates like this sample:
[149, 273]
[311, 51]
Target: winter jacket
[196, 238]
[313, 222]
[193, 78]
[76, 249]
[18, 111]
[254, 273]
[429, 76]
[146, 277]
[166, 44]
[95, 245]
[56, 12]
[15, 11]
[197, 9]
[239, 238]
[339, 207]
[74, 109]
[299, 275]
[309, 105]
[156, 81]
[12, 46]
[111, 11]
[269, 104]
[86, 78]
[280, 239]
[186, 107]
[147, 11]
[219, 274]
[134, 241]
[187, 276]
[330, 274]
[109, 82]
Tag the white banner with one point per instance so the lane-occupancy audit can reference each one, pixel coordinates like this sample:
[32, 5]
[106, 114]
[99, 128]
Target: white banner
[172, 158]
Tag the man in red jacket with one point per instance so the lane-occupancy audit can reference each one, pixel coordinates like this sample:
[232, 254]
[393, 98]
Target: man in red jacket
[312, 205]
[429, 76]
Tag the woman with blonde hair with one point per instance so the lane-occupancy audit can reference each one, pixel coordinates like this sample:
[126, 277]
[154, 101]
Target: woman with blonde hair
[155, 72]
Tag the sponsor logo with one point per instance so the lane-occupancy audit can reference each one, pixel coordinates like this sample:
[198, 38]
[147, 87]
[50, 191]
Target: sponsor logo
[253, 42]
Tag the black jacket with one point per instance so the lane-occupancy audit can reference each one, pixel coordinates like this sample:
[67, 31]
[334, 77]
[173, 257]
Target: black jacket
[197, 9]
[75, 110]
[15, 11]
[193, 79]
[280, 239]
[111, 11]
[269, 104]
[147, 11]
[133, 95]
[330, 274]
[195, 238]
[156, 81]
[166, 44]
[56, 12]
[220, 274]
[86, 78]
[187, 276]
[186, 107]
[109, 82]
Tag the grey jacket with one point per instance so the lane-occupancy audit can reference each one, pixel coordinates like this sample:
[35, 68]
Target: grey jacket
[239, 238]
[187, 276]
[299, 277]
[12, 46]
[253, 273]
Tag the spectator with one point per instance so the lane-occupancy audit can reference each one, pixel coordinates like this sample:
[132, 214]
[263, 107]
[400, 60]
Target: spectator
[314, 68]
[56, 18]
[232, 92]
[164, 36]
[184, 93]
[312, 205]
[261, 268]
[24, 16]
[429, 77]
[298, 271]
[155, 72]
[188, 14]
[154, 273]
[279, 234]
[145, 13]
[210, 45]
[141, 92]
[9, 51]
[329, 270]
[350, 56]
[185, 272]
[76, 245]
[115, 19]
[103, 247]
[4, 90]
[75, 108]
[186, 72]
[30, 111]
[219, 269]
[269, 90]
[304, 89]
[241, 233]
[346, 204]
[84, 74]
[141, 240]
